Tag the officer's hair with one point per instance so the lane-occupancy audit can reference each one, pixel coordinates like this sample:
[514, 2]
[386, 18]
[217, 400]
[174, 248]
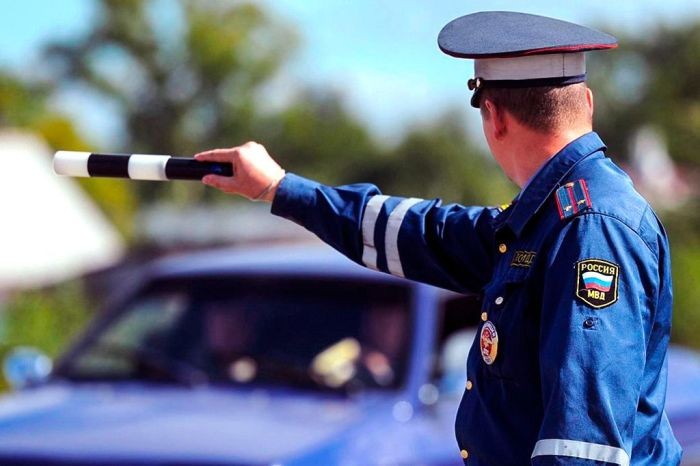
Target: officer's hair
[544, 109]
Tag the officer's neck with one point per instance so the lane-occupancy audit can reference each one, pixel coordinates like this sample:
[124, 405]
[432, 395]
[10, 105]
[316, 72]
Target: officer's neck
[528, 150]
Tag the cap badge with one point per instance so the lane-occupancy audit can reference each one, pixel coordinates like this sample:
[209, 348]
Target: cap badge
[488, 342]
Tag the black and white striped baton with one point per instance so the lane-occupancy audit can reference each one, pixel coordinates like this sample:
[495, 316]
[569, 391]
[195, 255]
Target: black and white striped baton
[135, 166]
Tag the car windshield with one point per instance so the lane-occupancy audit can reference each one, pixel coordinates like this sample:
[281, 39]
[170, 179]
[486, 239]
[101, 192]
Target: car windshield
[313, 333]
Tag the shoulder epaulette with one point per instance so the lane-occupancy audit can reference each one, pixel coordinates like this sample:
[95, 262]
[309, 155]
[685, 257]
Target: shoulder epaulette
[572, 198]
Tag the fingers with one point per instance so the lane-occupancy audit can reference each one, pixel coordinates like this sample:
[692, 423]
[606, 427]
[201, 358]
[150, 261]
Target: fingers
[256, 173]
[223, 155]
[224, 183]
[216, 155]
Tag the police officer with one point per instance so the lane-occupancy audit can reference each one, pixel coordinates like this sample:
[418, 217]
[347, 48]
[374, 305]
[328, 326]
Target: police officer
[569, 364]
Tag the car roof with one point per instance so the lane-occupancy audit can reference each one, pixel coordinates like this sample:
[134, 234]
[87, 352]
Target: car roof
[306, 259]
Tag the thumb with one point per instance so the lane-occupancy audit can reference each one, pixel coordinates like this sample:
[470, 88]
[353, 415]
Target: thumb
[224, 183]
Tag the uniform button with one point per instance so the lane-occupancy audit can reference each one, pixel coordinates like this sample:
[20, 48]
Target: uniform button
[464, 453]
[499, 301]
[502, 248]
[484, 316]
[469, 385]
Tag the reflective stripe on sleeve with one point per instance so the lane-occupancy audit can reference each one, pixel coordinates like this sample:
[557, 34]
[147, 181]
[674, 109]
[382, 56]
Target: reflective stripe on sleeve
[369, 221]
[393, 226]
[584, 450]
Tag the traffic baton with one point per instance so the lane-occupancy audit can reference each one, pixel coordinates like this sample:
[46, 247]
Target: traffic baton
[136, 166]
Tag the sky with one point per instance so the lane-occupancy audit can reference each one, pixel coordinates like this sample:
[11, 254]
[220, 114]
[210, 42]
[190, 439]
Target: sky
[381, 55]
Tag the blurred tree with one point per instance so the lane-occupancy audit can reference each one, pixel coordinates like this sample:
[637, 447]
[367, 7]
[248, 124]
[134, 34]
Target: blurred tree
[684, 231]
[178, 87]
[46, 319]
[199, 87]
[652, 79]
[317, 137]
[25, 104]
[22, 104]
[439, 160]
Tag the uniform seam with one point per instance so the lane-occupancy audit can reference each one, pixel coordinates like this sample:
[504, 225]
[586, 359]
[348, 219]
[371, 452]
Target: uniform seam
[643, 226]
[625, 223]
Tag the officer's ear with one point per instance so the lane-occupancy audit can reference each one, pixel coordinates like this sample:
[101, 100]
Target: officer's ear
[494, 117]
[589, 100]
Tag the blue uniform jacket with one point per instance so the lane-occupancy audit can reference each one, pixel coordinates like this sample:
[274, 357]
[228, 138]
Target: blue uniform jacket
[569, 364]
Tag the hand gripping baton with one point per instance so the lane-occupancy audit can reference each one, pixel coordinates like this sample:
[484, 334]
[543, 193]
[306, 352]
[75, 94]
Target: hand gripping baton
[136, 166]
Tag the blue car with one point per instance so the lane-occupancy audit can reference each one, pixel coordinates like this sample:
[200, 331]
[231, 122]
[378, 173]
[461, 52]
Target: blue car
[279, 356]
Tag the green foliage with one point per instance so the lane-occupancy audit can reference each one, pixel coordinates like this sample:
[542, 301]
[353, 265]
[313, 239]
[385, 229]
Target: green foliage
[24, 105]
[686, 318]
[440, 161]
[652, 80]
[117, 200]
[46, 320]
[21, 103]
[683, 227]
[181, 92]
[317, 137]
[200, 89]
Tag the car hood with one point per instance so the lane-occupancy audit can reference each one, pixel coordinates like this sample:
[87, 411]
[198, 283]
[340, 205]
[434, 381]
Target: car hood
[196, 425]
[682, 404]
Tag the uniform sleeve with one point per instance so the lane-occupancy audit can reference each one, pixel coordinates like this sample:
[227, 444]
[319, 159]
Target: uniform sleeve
[450, 246]
[599, 294]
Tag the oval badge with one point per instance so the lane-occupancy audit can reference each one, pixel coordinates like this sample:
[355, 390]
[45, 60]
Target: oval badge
[489, 342]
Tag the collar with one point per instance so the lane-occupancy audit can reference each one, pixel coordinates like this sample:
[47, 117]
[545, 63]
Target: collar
[534, 175]
[549, 176]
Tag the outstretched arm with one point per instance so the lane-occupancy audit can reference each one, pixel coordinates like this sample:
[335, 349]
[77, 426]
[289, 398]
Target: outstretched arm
[448, 246]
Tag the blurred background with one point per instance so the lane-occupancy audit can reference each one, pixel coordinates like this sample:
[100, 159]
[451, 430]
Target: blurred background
[340, 91]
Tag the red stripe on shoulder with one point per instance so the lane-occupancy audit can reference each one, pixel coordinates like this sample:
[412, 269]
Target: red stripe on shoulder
[585, 192]
[570, 192]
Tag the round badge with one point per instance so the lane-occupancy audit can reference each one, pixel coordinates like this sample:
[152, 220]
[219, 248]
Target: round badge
[489, 342]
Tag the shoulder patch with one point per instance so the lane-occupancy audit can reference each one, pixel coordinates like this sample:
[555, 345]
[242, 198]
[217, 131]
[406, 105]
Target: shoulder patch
[572, 198]
[596, 282]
